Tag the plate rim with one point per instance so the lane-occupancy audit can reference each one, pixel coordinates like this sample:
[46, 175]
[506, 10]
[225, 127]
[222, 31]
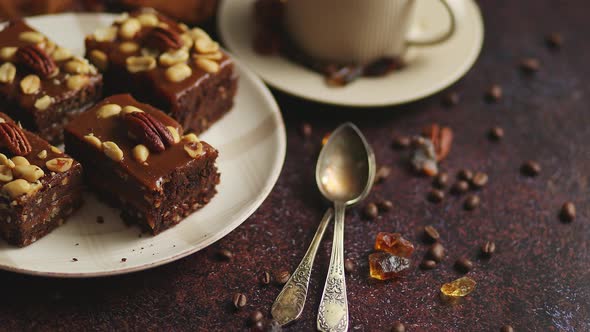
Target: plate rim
[460, 71]
[268, 186]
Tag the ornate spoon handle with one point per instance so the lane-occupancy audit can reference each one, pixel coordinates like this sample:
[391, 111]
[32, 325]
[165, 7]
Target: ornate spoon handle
[289, 304]
[333, 311]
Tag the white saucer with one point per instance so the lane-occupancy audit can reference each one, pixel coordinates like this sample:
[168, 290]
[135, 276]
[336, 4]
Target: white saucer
[251, 142]
[429, 70]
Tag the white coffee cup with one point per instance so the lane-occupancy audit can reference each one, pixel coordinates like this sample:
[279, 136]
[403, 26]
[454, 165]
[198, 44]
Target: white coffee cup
[355, 31]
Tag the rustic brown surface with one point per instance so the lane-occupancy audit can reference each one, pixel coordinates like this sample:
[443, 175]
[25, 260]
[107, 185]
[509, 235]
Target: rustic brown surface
[538, 279]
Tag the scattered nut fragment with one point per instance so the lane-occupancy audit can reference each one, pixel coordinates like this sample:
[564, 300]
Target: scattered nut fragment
[178, 73]
[99, 59]
[141, 153]
[30, 84]
[137, 64]
[77, 66]
[106, 34]
[191, 138]
[108, 110]
[198, 33]
[93, 140]
[42, 154]
[7, 53]
[175, 134]
[149, 52]
[187, 40]
[171, 58]
[194, 149]
[148, 19]
[76, 82]
[5, 161]
[30, 173]
[61, 54]
[17, 188]
[20, 161]
[129, 28]
[59, 165]
[5, 173]
[130, 109]
[211, 56]
[207, 65]
[7, 72]
[204, 46]
[128, 47]
[43, 103]
[112, 150]
[55, 149]
[32, 37]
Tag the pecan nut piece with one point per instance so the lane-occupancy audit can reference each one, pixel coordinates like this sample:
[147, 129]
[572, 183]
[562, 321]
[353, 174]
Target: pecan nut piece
[37, 60]
[148, 130]
[441, 137]
[163, 39]
[14, 139]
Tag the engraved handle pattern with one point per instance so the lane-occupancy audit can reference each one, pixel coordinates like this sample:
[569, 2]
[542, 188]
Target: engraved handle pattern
[289, 304]
[333, 311]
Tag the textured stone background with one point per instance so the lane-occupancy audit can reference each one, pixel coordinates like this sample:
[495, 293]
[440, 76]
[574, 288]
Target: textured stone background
[538, 280]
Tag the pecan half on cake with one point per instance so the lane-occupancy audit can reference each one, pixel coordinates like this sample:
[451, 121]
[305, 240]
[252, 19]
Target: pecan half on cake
[40, 185]
[137, 159]
[166, 64]
[41, 84]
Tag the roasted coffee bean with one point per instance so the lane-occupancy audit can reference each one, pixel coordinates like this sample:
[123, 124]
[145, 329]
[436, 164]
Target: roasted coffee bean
[349, 265]
[496, 134]
[441, 180]
[431, 233]
[465, 174]
[371, 211]
[225, 255]
[435, 195]
[402, 142]
[398, 327]
[255, 317]
[488, 249]
[507, 328]
[450, 99]
[460, 187]
[385, 205]
[239, 300]
[382, 174]
[568, 212]
[265, 278]
[494, 93]
[258, 327]
[471, 203]
[531, 168]
[554, 40]
[479, 180]
[437, 252]
[529, 65]
[428, 264]
[282, 277]
[463, 265]
[306, 130]
[123, 259]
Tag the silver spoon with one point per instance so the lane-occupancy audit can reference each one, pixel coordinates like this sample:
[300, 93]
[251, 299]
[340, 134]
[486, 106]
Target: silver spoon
[344, 173]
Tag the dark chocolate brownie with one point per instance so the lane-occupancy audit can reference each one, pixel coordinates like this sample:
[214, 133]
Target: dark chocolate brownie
[166, 64]
[41, 84]
[137, 158]
[41, 186]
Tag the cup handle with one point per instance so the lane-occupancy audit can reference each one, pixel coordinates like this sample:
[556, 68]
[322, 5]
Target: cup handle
[441, 38]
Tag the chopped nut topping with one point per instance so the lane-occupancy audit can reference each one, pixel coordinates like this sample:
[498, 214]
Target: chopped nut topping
[194, 149]
[211, 56]
[30, 84]
[5, 173]
[187, 40]
[99, 59]
[5, 161]
[43, 103]
[191, 138]
[197, 33]
[93, 140]
[30, 173]
[129, 28]
[59, 165]
[178, 73]
[7, 72]
[148, 20]
[42, 154]
[131, 109]
[106, 34]
[112, 150]
[55, 149]
[141, 153]
[7, 53]
[32, 37]
[76, 82]
[140, 63]
[183, 27]
[174, 133]
[207, 65]
[206, 46]
[18, 188]
[173, 57]
[128, 47]
[20, 161]
[77, 66]
[108, 110]
[61, 54]
[122, 17]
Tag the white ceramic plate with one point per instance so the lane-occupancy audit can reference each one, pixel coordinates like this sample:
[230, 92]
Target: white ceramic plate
[429, 70]
[251, 143]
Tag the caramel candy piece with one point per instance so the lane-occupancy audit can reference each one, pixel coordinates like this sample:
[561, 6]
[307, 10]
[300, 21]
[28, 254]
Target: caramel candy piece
[459, 287]
[394, 244]
[384, 266]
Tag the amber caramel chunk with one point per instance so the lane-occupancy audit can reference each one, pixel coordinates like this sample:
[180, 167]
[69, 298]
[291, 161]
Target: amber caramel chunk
[384, 266]
[458, 288]
[394, 244]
